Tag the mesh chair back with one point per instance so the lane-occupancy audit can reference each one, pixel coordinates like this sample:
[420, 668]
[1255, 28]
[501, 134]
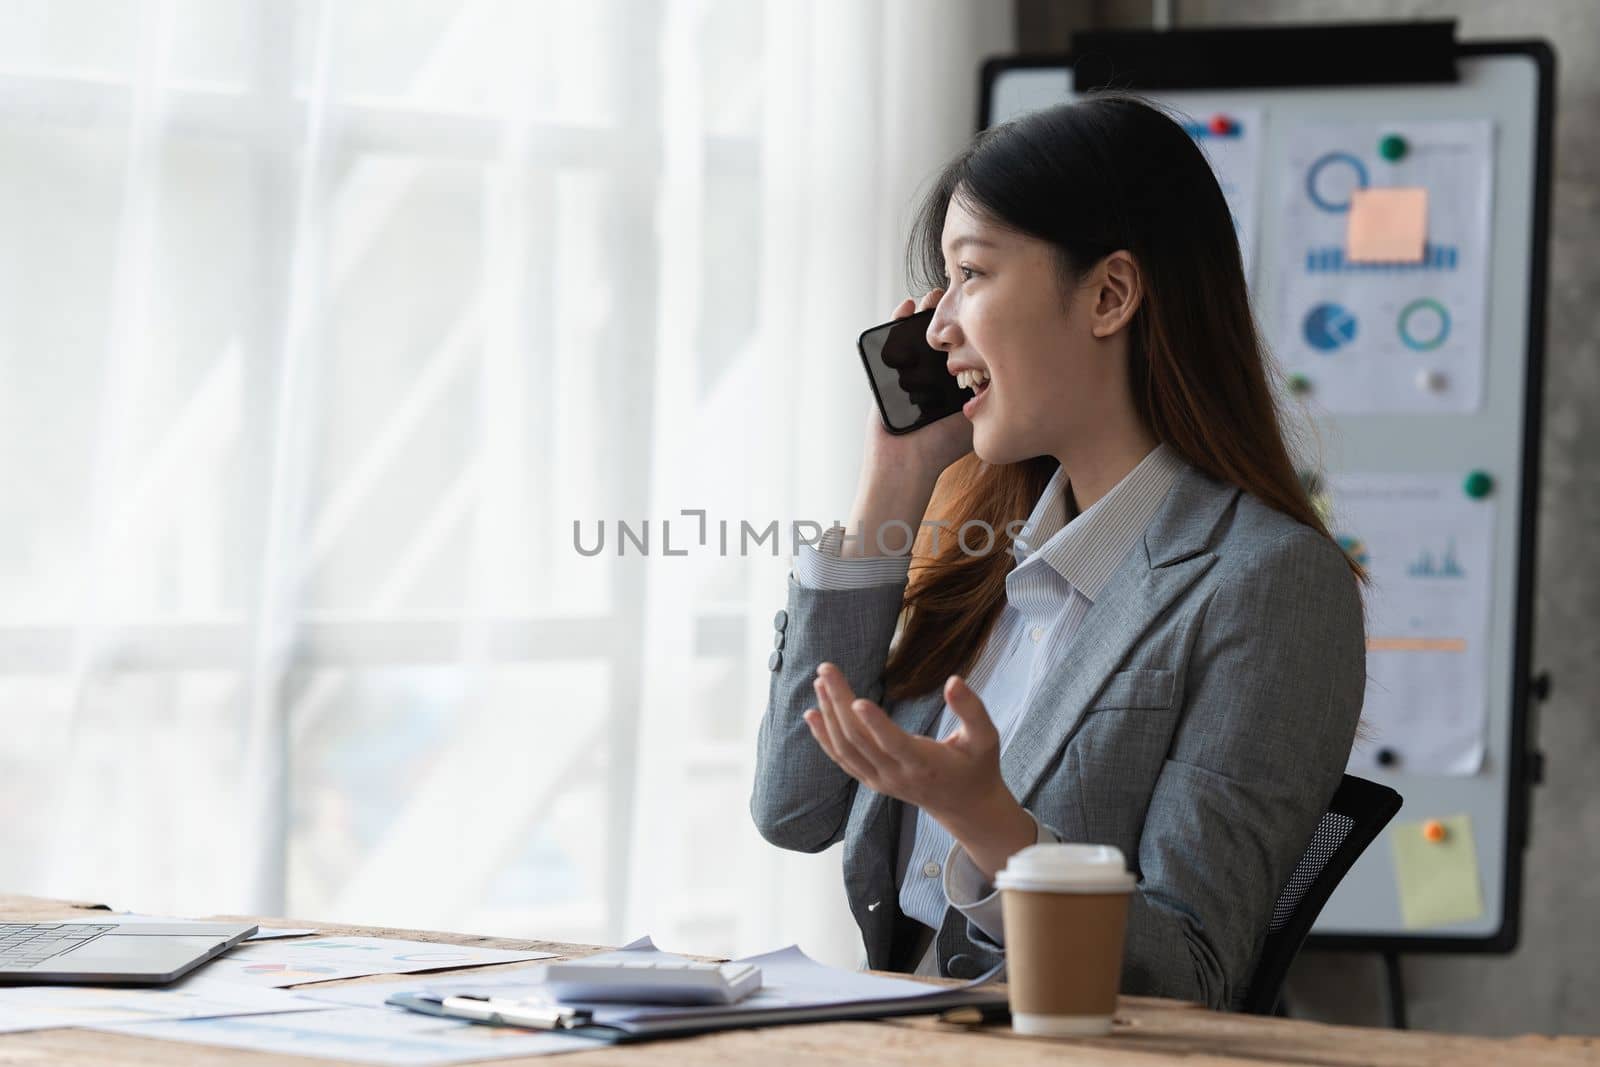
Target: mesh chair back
[1356, 815]
[1331, 833]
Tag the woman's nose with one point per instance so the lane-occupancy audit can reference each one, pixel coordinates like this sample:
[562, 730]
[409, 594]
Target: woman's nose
[942, 331]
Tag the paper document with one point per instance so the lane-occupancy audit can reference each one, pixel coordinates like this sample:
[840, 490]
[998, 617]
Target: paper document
[789, 980]
[361, 1035]
[286, 963]
[195, 997]
[1428, 547]
[1385, 337]
[272, 933]
[1230, 137]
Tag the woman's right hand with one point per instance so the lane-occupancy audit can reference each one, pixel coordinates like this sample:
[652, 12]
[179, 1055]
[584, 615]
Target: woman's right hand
[924, 453]
[899, 471]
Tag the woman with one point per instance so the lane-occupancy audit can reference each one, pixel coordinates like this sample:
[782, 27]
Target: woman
[1170, 655]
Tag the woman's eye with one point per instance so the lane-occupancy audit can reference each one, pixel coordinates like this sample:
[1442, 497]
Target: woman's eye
[967, 273]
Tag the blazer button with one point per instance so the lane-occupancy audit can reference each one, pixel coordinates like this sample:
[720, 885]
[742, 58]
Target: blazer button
[777, 639]
[781, 619]
[962, 965]
[775, 660]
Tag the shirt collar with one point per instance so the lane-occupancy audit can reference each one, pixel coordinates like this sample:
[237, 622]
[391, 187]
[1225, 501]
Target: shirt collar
[1086, 549]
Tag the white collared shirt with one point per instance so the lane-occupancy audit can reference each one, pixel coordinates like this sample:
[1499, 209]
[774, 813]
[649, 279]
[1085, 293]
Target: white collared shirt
[1048, 592]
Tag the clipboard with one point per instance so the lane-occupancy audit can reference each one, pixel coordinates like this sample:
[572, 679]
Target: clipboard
[968, 1004]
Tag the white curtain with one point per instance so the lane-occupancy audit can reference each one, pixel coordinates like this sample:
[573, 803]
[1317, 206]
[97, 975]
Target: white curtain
[322, 326]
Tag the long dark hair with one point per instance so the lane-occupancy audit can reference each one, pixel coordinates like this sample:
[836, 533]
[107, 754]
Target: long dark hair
[1105, 173]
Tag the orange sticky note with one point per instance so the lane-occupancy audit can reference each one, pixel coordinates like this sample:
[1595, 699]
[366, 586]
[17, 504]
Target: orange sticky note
[1387, 225]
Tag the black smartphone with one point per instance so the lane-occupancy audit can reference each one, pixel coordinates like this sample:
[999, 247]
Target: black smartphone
[908, 375]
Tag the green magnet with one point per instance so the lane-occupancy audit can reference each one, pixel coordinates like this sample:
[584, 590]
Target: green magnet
[1478, 484]
[1392, 147]
[1299, 384]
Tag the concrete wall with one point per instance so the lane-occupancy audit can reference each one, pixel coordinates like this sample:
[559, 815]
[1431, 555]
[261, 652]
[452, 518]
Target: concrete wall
[1551, 984]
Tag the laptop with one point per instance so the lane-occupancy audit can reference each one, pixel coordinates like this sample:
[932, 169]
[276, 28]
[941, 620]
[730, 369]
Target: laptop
[110, 953]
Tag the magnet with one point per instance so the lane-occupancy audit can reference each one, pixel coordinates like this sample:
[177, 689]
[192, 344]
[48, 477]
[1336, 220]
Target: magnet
[1431, 381]
[1393, 147]
[1478, 485]
[1434, 830]
[1299, 384]
[1220, 125]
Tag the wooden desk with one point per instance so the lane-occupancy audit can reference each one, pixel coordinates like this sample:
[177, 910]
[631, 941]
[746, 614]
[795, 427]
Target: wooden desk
[1148, 1031]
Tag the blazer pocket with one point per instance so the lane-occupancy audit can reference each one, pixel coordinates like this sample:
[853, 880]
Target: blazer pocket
[1141, 687]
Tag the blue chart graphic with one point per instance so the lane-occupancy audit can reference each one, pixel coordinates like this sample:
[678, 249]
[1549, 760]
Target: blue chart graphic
[1415, 320]
[1425, 566]
[1328, 327]
[1330, 260]
[1332, 178]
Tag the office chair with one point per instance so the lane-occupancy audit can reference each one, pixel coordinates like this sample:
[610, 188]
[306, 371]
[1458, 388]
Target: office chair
[1357, 813]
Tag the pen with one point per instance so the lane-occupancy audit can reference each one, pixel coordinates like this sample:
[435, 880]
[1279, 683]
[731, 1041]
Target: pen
[515, 1013]
[977, 1015]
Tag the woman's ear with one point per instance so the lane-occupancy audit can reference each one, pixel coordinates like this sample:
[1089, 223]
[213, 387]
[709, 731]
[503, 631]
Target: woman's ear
[1119, 288]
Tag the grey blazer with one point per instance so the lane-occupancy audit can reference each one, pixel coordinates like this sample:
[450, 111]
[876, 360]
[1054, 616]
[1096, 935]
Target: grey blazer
[1199, 720]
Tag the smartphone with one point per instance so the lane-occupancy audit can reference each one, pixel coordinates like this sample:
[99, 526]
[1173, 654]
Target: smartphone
[908, 375]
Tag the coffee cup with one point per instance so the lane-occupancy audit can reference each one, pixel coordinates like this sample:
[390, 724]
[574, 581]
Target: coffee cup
[1066, 914]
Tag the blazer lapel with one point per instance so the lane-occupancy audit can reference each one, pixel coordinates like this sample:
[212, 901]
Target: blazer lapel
[1171, 557]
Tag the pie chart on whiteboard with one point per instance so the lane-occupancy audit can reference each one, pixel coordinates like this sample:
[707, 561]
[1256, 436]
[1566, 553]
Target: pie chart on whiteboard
[1328, 327]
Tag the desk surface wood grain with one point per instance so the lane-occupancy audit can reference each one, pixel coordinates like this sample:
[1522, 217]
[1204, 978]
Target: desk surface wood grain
[1147, 1031]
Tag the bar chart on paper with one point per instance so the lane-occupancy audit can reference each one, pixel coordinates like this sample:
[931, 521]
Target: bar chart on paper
[1423, 541]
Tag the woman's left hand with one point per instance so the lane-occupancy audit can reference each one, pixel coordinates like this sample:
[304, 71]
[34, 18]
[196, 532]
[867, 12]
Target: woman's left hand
[947, 778]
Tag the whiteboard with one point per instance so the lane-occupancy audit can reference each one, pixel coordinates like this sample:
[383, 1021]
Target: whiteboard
[1509, 85]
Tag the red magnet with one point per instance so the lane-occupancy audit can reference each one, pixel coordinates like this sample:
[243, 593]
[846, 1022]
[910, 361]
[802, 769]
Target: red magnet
[1221, 125]
[1433, 830]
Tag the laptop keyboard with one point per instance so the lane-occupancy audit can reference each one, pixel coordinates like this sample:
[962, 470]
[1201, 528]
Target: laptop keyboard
[25, 945]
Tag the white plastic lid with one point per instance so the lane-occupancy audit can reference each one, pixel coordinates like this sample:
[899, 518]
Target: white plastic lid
[1067, 869]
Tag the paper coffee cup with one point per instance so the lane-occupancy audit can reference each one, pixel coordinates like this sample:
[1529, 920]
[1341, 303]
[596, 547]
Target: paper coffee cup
[1066, 914]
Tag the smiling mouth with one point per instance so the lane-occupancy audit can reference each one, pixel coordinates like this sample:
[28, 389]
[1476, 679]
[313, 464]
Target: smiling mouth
[979, 390]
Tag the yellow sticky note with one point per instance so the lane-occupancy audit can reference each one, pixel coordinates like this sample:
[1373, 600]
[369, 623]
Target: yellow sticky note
[1387, 226]
[1438, 879]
